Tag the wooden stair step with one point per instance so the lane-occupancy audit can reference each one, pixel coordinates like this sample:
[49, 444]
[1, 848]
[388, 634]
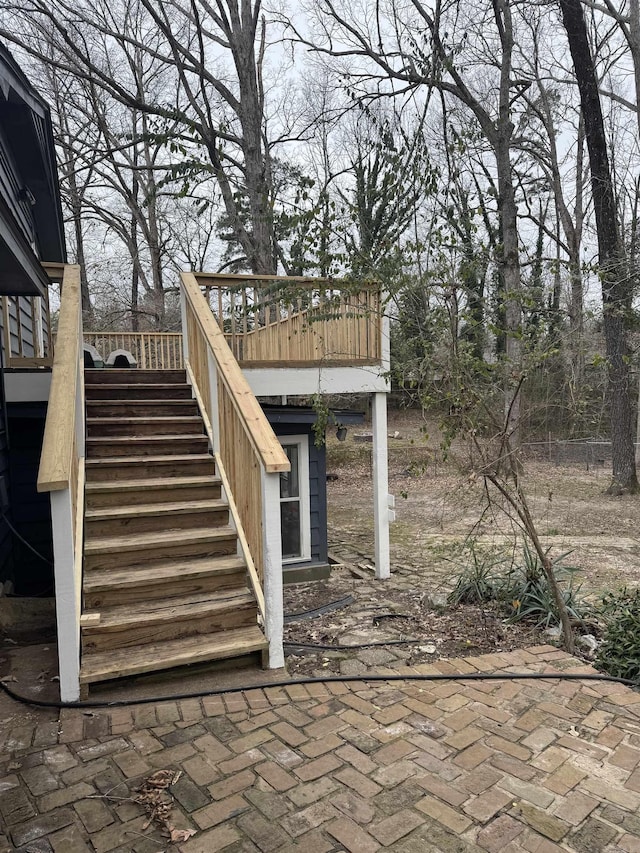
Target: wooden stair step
[107, 493]
[136, 408]
[133, 549]
[170, 515]
[128, 392]
[126, 625]
[177, 507]
[134, 376]
[149, 483]
[152, 580]
[119, 663]
[169, 609]
[145, 460]
[119, 468]
[124, 440]
[142, 541]
[152, 425]
[160, 419]
[146, 445]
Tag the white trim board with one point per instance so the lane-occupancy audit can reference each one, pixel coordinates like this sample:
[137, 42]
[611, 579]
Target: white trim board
[304, 485]
[275, 381]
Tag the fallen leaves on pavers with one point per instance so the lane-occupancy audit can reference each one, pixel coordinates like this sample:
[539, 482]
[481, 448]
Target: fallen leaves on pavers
[154, 797]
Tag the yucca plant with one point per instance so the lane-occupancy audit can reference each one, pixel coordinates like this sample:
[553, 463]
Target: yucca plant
[527, 591]
[479, 580]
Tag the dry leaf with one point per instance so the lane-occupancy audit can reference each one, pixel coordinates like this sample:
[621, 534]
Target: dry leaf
[176, 777]
[160, 779]
[178, 835]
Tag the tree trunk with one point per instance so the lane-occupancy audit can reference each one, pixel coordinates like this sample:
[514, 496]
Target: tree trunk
[616, 287]
[508, 213]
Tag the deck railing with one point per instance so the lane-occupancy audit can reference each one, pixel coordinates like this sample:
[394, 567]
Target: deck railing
[62, 475]
[296, 321]
[248, 454]
[151, 350]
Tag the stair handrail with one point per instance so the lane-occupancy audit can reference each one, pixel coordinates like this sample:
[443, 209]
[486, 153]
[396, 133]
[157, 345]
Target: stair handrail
[255, 424]
[61, 473]
[247, 452]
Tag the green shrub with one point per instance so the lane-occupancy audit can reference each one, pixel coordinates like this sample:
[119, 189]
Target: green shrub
[522, 589]
[479, 579]
[527, 590]
[619, 653]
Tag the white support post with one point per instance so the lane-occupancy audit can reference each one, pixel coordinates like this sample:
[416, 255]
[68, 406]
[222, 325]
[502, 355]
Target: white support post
[183, 320]
[272, 568]
[67, 601]
[380, 484]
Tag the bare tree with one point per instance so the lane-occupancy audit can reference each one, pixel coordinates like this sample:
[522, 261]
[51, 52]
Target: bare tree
[616, 285]
[214, 53]
[427, 51]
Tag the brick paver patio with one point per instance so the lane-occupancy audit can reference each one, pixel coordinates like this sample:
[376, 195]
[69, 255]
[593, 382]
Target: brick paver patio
[415, 767]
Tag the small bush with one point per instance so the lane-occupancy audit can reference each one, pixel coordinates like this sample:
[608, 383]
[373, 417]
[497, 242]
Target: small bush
[527, 590]
[522, 589]
[479, 580]
[619, 653]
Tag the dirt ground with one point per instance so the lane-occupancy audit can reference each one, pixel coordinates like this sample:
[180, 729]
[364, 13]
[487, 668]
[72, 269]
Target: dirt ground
[440, 509]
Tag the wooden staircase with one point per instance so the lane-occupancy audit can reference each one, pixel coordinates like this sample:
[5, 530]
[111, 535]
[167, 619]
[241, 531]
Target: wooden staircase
[163, 584]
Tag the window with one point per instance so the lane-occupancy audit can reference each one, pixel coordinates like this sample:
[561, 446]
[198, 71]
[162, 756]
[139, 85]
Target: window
[295, 526]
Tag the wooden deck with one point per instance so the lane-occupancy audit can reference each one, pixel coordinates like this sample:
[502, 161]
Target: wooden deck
[272, 321]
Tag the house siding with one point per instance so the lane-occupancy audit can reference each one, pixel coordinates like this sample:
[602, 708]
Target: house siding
[10, 186]
[22, 332]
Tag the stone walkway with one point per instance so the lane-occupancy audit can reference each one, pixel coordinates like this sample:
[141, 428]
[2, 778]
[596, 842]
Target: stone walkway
[414, 767]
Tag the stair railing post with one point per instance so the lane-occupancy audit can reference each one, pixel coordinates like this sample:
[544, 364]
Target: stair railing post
[214, 414]
[185, 327]
[272, 568]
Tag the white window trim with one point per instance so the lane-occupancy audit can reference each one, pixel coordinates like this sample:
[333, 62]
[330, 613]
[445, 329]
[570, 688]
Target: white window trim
[302, 441]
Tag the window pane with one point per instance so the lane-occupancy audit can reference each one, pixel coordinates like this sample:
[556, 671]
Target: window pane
[290, 480]
[290, 529]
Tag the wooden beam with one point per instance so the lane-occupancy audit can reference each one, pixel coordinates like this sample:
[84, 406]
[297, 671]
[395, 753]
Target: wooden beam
[24, 362]
[54, 270]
